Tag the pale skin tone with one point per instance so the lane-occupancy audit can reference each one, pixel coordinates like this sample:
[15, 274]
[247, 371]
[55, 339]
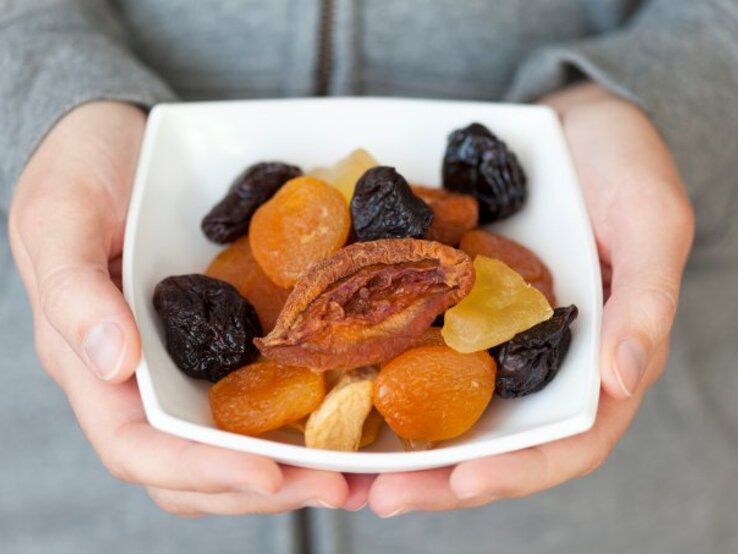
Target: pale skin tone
[66, 231]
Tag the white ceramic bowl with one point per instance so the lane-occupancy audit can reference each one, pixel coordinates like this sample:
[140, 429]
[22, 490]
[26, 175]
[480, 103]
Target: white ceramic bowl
[191, 152]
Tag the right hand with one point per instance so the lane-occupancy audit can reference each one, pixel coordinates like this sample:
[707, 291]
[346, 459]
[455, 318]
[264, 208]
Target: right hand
[66, 232]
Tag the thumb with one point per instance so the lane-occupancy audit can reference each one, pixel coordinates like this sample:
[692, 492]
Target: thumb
[68, 244]
[647, 259]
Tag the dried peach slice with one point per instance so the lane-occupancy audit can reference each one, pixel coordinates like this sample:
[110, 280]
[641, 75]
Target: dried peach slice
[430, 337]
[434, 393]
[236, 265]
[339, 421]
[367, 303]
[264, 396]
[453, 213]
[500, 305]
[346, 172]
[480, 242]
[304, 222]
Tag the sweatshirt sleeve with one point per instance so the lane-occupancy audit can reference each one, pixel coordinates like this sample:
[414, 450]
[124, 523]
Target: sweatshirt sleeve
[54, 56]
[678, 60]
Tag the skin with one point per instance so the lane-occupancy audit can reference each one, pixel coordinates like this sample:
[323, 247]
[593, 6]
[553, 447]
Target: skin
[66, 232]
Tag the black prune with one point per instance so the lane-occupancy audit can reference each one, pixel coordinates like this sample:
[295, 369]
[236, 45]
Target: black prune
[229, 219]
[209, 327]
[478, 163]
[531, 359]
[384, 207]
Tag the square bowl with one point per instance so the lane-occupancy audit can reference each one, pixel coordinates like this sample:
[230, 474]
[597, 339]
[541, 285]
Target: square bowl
[192, 151]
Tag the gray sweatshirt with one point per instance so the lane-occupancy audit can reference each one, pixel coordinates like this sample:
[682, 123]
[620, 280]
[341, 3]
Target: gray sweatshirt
[671, 485]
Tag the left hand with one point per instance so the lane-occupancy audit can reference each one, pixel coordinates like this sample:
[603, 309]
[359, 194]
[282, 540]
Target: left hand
[643, 225]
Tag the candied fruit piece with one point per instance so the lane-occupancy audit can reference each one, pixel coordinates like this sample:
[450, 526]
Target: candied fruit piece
[384, 207]
[478, 163]
[236, 265]
[481, 242]
[500, 305]
[367, 303]
[531, 359]
[434, 393]
[229, 218]
[265, 396]
[346, 172]
[306, 221]
[209, 327]
[453, 214]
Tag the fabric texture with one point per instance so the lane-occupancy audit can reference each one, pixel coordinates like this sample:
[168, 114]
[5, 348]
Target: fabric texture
[671, 485]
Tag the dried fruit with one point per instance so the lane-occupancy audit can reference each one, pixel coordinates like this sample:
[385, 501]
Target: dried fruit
[236, 265]
[265, 396]
[367, 303]
[480, 242]
[529, 361]
[229, 218]
[344, 175]
[370, 431]
[434, 393]
[499, 306]
[339, 421]
[209, 327]
[453, 214]
[383, 206]
[478, 163]
[430, 337]
[304, 222]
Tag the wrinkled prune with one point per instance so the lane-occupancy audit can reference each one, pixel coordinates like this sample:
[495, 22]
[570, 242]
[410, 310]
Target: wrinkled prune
[478, 163]
[209, 327]
[367, 303]
[384, 207]
[230, 218]
[530, 360]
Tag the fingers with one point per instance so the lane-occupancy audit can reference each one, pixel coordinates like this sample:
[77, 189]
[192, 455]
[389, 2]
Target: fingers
[359, 487]
[302, 488]
[644, 227]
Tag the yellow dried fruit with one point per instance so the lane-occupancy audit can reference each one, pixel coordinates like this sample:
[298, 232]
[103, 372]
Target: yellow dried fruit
[500, 305]
[339, 421]
[344, 174]
[370, 431]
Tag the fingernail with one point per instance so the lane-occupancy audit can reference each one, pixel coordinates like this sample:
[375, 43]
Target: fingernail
[630, 363]
[359, 508]
[315, 503]
[104, 346]
[397, 512]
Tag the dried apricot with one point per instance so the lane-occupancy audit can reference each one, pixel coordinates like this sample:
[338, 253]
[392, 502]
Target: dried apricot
[367, 303]
[264, 396]
[480, 242]
[500, 305]
[430, 337]
[453, 214]
[434, 393]
[236, 265]
[304, 222]
[346, 172]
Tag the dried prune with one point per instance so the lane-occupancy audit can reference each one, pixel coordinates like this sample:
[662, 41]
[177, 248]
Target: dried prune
[478, 163]
[384, 207]
[230, 218]
[209, 327]
[367, 303]
[453, 214]
[528, 362]
[434, 393]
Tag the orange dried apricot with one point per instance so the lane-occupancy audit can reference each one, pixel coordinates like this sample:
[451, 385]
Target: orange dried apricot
[480, 242]
[236, 265]
[434, 393]
[304, 222]
[453, 213]
[264, 396]
[500, 305]
[346, 172]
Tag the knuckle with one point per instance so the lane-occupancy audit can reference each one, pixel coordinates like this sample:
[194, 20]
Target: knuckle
[603, 447]
[117, 467]
[170, 503]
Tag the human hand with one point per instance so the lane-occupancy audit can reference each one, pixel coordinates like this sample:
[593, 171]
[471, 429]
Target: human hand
[66, 232]
[643, 225]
